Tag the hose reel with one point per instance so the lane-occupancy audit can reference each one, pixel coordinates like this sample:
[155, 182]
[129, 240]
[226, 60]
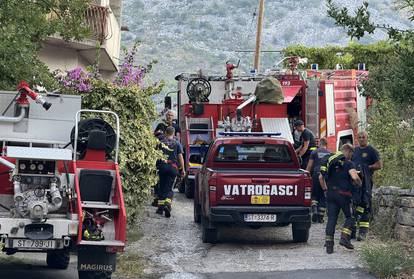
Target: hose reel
[85, 127]
[198, 90]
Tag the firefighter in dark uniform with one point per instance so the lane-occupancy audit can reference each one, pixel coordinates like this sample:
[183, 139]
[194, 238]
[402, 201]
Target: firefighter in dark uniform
[159, 133]
[308, 142]
[167, 122]
[338, 177]
[314, 168]
[168, 170]
[367, 159]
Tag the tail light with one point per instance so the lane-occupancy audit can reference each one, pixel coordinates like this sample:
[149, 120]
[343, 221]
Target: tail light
[308, 190]
[212, 186]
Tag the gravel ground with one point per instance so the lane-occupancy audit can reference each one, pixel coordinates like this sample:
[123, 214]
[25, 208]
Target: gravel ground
[174, 248]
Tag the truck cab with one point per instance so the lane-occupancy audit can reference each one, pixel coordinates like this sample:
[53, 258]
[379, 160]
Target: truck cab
[252, 180]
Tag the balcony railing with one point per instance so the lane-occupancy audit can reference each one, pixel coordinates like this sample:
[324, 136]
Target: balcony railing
[97, 20]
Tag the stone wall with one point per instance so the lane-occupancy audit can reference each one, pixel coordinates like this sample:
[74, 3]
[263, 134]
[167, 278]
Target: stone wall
[398, 205]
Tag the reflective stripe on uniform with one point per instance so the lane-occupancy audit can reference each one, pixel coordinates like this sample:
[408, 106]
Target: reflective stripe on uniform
[314, 202]
[333, 157]
[360, 209]
[313, 148]
[161, 202]
[167, 201]
[329, 238]
[347, 231]
[324, 168]
[364, 224]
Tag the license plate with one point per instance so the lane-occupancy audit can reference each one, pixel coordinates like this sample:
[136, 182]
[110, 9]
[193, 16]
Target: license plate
[263, 218]
[34, 244]
[260, 199]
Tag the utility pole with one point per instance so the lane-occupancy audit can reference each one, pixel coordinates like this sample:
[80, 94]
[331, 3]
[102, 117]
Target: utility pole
[259, 35]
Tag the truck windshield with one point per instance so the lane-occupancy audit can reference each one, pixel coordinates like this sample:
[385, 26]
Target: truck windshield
[250, 153]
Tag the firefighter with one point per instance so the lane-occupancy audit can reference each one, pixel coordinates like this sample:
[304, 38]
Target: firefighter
[168, 170]
[314, 167]
[338, 175]
[308, 142]
[168, 121]
[229, 69]
[159, 133]
[367, 159]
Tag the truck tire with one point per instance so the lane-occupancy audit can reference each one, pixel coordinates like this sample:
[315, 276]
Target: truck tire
[189, 189]
[94, 275]
[300, 234]
[58, 259]
[209, 234]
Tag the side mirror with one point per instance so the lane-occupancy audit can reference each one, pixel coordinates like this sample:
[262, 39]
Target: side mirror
[167, 102]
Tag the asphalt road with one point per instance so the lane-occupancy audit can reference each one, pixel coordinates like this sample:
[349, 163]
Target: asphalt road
[293, 274]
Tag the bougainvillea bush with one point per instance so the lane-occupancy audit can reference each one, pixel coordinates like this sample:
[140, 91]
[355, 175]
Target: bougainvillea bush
[127, 96]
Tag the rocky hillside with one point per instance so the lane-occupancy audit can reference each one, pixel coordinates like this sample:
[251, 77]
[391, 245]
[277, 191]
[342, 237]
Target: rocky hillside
[187, 35]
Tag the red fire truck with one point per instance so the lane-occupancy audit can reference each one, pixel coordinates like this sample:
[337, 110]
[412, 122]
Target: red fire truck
[60, 186]
[330, 103]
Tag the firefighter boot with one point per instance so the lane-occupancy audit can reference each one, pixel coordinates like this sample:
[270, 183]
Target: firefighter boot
[155, 202]
[346, 238]
[329, 244]
[314, 210]
[363, 230]
[167, 208]
[160, 210]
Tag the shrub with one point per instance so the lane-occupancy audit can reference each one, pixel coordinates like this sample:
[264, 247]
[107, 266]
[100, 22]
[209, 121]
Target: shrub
[391, 131]
[386, 259]
[131, 100]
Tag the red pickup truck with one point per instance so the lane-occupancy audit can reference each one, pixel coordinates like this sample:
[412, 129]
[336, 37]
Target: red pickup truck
[252, 181]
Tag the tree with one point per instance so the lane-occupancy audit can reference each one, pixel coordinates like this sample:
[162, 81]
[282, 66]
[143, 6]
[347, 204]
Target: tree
[23, 26]
[392, 78]
[359, 24]
[390, 83]
[348, 56]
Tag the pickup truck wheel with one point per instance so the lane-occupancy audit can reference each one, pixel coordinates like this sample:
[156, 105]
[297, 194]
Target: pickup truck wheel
[300, 234]
[209, 235]
[58, 259]
[197, 212]
[94, 275]
[189, 189]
